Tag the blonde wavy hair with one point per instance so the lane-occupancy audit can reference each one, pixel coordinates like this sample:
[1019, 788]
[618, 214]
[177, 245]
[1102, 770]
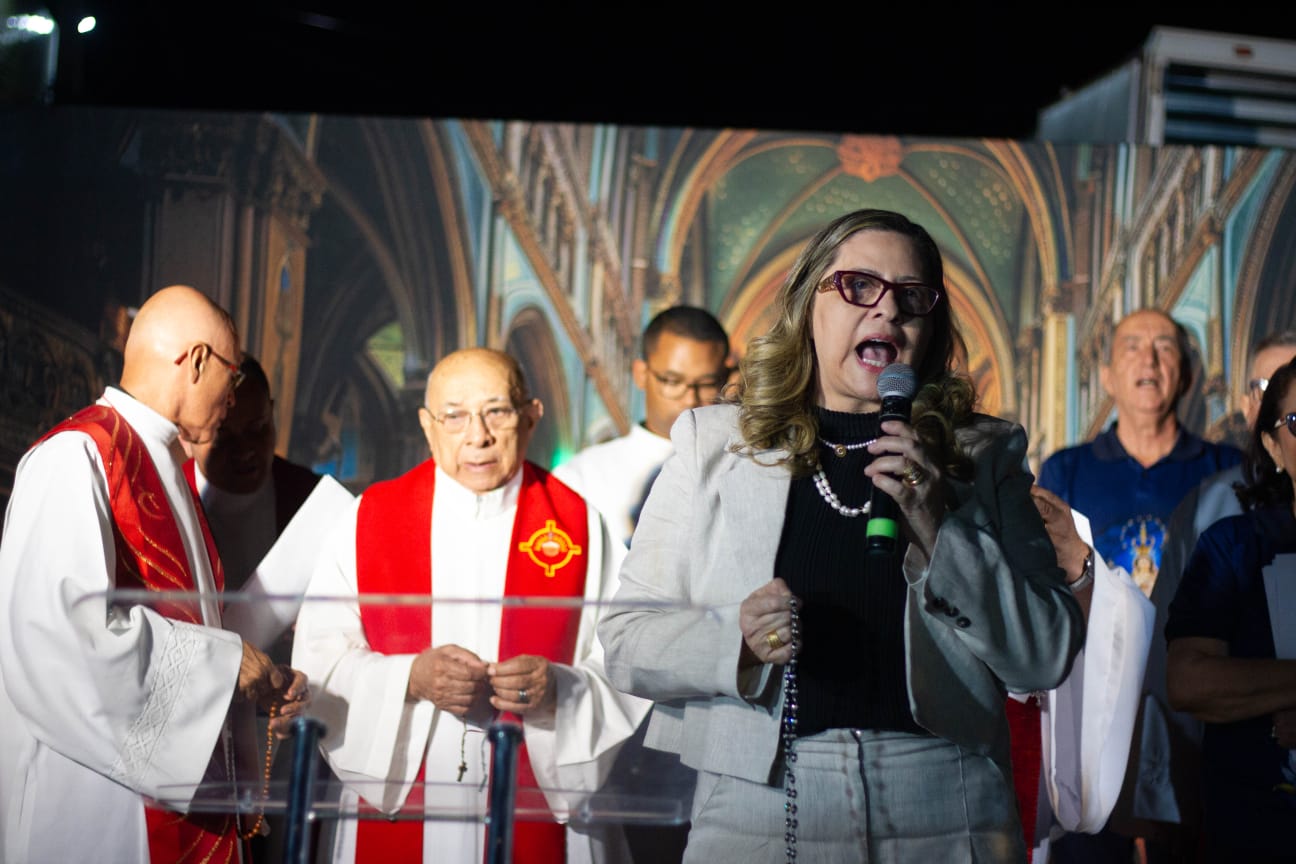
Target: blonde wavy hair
[776, 389]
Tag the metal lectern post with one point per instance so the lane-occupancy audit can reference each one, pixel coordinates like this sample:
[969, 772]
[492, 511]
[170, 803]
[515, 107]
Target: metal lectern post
[505, 738]
[301, 789]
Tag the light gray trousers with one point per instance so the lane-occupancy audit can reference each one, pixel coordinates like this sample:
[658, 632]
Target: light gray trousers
[864, 796]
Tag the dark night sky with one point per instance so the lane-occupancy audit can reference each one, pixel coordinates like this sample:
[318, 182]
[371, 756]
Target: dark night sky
[934, 71]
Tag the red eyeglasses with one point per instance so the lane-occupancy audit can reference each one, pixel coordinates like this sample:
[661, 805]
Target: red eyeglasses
[867, 290]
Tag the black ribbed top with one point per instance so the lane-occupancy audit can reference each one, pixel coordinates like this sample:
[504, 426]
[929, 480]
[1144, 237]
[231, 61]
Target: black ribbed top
[852, 665]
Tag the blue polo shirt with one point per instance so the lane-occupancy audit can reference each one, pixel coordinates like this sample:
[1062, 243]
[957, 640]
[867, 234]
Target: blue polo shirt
[1128, 505]
[1248, 784]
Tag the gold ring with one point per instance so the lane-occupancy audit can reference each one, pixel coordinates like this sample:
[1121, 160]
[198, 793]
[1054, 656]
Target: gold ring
[773, 639]
[912, 475]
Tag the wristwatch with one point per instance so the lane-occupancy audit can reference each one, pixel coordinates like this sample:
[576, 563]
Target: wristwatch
[1086, 574]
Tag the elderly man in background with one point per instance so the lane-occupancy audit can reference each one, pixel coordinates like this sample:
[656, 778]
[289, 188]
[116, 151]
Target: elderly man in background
[1127, 481]
[1130, 478]
[407, 691]
[109, 706]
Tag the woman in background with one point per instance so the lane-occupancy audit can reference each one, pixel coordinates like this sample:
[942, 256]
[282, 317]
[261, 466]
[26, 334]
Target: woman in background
[1222, 664]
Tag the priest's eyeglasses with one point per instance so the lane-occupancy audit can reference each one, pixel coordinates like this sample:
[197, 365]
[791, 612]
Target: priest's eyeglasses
[496, 418]
[236, 374]
[1289, 421]
[867, 289]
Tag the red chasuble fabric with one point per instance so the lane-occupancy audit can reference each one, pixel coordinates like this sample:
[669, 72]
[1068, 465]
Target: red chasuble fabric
[548, 556]
[1025, 748]
[151, 556]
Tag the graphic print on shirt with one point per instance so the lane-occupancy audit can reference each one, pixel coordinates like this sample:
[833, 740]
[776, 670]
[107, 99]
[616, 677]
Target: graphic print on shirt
[1137, 545]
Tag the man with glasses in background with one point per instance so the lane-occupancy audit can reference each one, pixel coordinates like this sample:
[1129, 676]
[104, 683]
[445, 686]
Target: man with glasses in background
[406, 695]
[685, 364]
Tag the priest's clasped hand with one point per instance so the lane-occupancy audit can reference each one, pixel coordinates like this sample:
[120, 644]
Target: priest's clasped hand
[272, 687]
[457, 680]
[450, 677]
[523, 685]
[288, 704]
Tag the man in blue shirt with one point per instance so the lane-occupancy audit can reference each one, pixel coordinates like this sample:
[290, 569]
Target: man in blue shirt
[1128, 481]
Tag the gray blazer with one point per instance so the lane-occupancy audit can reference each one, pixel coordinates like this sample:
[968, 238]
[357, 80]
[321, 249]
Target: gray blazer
[990, 612]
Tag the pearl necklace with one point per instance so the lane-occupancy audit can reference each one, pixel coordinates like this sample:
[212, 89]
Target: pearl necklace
[826, 492]
[840, 449]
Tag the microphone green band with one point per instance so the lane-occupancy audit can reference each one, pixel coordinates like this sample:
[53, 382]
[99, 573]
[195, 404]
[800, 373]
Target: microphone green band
[882, 526]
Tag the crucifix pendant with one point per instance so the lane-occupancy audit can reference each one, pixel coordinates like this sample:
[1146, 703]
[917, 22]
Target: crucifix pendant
[463, 754]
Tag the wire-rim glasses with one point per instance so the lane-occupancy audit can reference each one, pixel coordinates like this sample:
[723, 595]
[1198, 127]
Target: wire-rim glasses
[236, 374]
[705, 389]
[867, 289]
[496, 418]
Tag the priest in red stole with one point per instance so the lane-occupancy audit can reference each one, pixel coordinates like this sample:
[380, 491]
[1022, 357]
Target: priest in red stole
[406, 692]
[107, 707]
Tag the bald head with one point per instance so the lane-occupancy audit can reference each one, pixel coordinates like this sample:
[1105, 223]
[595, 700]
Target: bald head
[179, 360]
[478, 417]
[467, 360]
[169, 320]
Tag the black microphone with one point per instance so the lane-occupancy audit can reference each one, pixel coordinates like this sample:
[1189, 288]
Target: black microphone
[897, 386]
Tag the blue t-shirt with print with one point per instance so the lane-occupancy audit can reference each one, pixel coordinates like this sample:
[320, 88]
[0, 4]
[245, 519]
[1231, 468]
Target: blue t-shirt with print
[1128, 505]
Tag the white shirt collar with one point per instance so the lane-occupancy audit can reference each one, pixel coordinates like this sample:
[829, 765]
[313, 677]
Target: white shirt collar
[450, 493]
[650, 441]
[145, 421]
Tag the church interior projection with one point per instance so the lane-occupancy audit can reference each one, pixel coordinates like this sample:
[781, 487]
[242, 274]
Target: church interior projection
[354, 251]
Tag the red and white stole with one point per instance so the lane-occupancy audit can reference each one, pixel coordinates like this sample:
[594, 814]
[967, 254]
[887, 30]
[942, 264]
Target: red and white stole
[547, 558]
[151, 556]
